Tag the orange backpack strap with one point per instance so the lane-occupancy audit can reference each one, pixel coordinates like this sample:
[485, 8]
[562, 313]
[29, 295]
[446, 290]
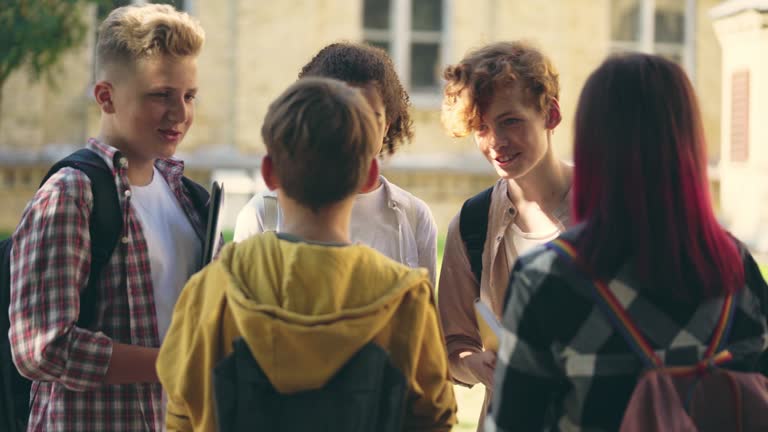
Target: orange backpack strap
[623, 323]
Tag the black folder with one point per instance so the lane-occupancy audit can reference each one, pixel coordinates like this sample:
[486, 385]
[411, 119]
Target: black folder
[213, 238]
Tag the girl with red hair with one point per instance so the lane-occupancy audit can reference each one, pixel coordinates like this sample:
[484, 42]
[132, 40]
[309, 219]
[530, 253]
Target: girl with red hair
[646, 227]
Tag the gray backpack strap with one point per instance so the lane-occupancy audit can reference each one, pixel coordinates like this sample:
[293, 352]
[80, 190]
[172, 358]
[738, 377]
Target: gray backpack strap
[269, 210]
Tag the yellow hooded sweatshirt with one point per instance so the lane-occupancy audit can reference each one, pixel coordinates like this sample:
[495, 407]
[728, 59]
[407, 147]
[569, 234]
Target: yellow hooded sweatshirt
[304, 309]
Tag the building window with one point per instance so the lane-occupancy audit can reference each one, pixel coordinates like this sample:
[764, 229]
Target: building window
[664, 27]
[105, 7]
[413, 32]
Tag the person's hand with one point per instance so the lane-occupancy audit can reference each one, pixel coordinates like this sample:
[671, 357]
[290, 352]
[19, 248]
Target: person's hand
[482, 365]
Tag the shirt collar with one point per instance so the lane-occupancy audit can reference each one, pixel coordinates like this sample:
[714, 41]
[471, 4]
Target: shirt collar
[171, 168]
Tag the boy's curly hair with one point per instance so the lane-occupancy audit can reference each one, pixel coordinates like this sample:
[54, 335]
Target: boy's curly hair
[472, 82]
[362, 64]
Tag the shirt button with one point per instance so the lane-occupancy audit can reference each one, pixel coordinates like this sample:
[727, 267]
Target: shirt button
[127, 193]
[124, 240]
[499, 238]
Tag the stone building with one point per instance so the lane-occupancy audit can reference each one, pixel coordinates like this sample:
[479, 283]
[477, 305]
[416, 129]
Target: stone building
[742, 29]
[255, 48]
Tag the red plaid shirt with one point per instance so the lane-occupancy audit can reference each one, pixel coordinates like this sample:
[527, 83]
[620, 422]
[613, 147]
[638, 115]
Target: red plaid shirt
[50, 262]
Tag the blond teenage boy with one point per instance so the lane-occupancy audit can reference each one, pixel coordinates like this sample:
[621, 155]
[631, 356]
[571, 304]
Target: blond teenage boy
[102, 377]
[306, 299]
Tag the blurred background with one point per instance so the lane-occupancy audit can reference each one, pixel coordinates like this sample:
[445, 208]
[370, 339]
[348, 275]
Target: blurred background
[255, 48]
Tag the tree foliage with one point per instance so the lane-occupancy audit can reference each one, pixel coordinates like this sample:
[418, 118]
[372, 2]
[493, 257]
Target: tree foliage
[36, 33]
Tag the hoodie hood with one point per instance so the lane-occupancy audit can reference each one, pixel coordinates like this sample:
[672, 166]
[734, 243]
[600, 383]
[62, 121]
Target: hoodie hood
[304, 309]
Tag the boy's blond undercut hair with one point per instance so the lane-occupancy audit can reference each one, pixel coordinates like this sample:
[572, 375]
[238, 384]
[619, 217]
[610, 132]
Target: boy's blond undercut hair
[471, 84]
[321, 136]
[132, 33]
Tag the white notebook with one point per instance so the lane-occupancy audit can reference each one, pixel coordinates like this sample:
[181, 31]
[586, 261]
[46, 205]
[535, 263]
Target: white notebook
[489, 324]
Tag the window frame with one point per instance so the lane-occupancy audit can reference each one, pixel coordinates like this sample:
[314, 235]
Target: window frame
[646, 39]
[400, 36]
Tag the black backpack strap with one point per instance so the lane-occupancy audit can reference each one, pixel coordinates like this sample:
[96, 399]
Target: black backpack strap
[473, 226]
[14, 389]
[106, 223]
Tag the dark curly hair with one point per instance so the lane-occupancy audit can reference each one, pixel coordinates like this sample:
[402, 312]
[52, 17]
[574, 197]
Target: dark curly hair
[362, 64]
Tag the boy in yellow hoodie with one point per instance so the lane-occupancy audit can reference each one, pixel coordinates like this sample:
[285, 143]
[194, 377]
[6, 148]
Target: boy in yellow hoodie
[306, 300]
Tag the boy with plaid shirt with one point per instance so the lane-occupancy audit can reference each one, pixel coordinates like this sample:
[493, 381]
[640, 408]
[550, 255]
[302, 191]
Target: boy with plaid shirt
[103, 377]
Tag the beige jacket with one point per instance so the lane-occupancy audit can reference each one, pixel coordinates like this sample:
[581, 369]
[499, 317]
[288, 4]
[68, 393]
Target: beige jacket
[458, 287]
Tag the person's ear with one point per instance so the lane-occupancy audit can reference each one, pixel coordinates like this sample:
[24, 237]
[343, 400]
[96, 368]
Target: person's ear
[103, 93]
[553, 114]
[268, 173]
[372, 178]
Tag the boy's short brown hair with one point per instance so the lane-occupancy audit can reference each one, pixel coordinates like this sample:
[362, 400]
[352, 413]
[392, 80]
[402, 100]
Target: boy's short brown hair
[131, 33]
[472, 82]
[321, 136]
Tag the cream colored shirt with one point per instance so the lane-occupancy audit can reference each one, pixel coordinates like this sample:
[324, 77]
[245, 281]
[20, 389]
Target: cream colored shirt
[458, 288]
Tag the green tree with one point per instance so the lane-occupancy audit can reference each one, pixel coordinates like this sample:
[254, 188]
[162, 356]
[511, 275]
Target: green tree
[36, 33]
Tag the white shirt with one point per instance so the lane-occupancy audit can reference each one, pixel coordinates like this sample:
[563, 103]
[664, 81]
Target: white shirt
[374, 224]
[518, 242]
[404, 227]
[522, 241]
[174, 247]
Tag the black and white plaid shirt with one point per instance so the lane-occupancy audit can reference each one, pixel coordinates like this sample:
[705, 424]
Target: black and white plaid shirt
[561, 365]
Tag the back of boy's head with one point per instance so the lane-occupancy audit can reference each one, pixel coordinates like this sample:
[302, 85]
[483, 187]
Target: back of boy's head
[471, 83]
[321, 137]
[360, 64]
[133, 33]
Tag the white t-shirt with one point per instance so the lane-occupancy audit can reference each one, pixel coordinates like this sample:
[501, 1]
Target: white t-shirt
[517, 242]
[522, 242]
[174, 247]
[374, 224]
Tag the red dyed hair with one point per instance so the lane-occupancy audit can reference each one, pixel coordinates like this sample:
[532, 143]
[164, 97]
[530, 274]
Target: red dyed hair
[640, 181]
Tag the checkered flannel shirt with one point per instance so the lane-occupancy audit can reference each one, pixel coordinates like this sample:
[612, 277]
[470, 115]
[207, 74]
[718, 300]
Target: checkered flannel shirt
[50, 264]
[561, 365]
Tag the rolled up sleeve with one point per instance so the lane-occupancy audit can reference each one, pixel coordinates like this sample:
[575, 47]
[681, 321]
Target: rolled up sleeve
[456, 295]
[50, 263]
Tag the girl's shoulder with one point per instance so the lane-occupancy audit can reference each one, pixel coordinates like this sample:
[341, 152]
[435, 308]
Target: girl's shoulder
[408, 202]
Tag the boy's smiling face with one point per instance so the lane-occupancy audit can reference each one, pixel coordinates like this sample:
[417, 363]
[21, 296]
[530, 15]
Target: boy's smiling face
[151, 105]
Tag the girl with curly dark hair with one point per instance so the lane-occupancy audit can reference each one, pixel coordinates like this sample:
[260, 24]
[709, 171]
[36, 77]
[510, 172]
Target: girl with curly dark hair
[387, 218]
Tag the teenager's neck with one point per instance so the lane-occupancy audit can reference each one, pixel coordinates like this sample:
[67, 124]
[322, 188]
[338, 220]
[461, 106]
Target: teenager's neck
[327, 225]
[140, 170]
[546, 184]
[375, 187]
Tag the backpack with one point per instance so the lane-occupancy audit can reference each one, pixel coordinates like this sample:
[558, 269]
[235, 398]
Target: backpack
[473, 227]
[698, 398]
[267, 205]
[367, 394]
[106, 225]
